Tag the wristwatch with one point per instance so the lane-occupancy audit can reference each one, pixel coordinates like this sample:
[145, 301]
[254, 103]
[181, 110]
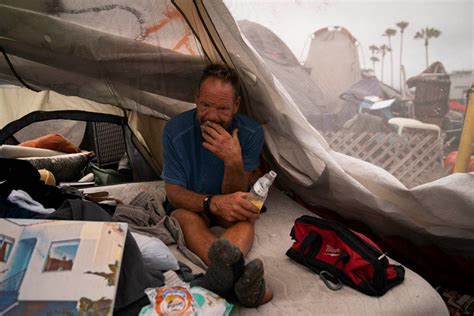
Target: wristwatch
[206, 204]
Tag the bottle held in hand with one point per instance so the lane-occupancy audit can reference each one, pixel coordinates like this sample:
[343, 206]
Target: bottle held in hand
[259, 191]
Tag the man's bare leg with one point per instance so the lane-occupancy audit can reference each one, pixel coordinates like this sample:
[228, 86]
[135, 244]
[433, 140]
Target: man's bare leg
[199, 237]
[196, 232]
[224, 259]
[241, 234]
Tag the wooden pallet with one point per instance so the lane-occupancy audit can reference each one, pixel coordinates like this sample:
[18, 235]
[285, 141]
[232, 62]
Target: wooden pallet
[413, 158]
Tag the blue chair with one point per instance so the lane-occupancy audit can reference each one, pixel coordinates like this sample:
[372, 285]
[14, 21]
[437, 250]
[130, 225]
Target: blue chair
[370, 104]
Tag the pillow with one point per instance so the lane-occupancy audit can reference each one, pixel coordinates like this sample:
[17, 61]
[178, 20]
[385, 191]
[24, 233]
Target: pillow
[52, 141]
[156, 255]
[14, 151]
[67, 167]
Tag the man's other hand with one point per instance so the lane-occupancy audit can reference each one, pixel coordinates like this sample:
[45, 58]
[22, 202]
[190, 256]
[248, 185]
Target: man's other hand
[218, 141]
[234, 207]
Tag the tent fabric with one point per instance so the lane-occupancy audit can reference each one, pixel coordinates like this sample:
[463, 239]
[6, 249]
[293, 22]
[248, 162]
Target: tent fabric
[83, 51]
[143, 59]
[19, 102]
[201, 24]
[71, 130]
[149, 63]
[27, 115]
[283, 64]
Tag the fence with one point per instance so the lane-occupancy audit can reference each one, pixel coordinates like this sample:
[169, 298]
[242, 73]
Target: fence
[413, 158]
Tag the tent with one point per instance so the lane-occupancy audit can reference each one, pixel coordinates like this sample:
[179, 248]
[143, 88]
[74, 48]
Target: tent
[327, 45]
[143, 70]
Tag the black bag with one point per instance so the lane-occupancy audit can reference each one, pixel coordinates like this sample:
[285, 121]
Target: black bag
[339, 254]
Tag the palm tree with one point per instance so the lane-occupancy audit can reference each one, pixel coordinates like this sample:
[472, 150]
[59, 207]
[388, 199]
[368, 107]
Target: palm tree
[402, 25]
[374, 59]
[389, 33]
[384, 49]
[426, 34]
[374, 49]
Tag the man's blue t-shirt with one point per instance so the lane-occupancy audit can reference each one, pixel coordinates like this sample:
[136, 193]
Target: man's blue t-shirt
[188, 164]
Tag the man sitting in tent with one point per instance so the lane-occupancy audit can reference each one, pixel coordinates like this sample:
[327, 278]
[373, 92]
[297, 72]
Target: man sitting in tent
[210, 156]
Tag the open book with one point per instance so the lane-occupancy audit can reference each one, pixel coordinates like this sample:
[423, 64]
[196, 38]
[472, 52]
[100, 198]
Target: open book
[53, 267]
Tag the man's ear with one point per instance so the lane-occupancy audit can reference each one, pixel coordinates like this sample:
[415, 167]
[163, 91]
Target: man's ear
[236, 104]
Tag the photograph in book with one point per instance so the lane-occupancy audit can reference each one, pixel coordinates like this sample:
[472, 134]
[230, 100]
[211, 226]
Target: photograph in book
[53, 267]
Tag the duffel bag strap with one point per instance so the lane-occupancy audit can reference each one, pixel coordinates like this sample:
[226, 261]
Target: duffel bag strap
[311, 245]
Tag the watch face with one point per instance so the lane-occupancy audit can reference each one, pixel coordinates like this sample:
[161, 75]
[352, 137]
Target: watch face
[206, 203]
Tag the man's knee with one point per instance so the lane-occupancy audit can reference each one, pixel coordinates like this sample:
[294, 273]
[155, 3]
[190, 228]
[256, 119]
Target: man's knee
[182, 214]
[248, 223]
[184, 217]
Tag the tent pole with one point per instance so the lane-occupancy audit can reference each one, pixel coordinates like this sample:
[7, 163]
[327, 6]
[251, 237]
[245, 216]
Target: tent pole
[467, 137]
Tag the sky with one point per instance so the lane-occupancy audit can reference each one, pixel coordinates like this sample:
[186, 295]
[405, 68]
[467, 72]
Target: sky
[294, 20]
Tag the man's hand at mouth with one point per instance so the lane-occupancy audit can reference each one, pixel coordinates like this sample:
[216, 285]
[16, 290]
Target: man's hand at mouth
[222, 144]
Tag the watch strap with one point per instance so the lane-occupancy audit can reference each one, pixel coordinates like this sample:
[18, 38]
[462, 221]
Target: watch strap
[206, 204]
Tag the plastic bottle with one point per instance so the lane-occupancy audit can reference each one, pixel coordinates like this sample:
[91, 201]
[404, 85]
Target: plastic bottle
[259, 191]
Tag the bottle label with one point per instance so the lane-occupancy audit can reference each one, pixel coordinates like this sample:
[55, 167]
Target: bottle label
[258, 188]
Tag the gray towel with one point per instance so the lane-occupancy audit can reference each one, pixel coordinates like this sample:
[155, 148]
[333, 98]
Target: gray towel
[145, 215]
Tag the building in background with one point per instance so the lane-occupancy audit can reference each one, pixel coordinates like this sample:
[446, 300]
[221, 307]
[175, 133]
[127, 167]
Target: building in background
[461, 81]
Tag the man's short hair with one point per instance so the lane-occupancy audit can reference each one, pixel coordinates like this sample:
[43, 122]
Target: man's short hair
[223, 73]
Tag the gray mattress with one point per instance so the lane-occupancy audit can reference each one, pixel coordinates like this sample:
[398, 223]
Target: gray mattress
[297, 290]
